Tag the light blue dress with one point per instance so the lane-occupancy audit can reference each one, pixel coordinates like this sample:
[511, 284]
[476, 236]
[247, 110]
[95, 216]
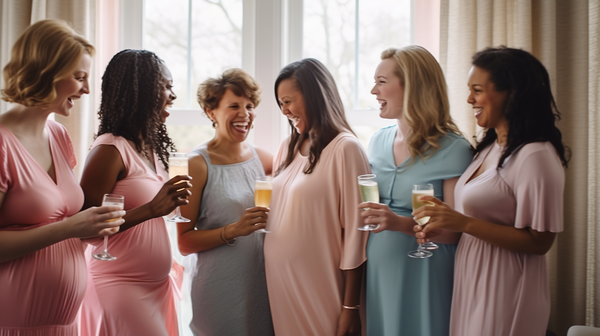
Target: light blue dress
[229, 290]
[407, 296]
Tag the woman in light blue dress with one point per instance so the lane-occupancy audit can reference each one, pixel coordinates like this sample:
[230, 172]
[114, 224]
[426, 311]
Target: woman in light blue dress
[407, 296]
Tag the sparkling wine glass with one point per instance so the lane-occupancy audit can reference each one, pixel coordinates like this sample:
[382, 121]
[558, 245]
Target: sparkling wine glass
[110, 200]
[178, 165]
[418, 191]
[263, 188]
[369, 192]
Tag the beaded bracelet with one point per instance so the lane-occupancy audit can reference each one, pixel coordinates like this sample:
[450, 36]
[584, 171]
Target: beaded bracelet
[229, 242]
[351, 307]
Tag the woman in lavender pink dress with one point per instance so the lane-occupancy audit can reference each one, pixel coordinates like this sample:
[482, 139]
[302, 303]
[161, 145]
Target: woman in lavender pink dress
[509, 202]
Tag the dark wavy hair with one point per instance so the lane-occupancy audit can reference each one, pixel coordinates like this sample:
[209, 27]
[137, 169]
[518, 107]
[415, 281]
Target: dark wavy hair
[131, 101]
[529, 107]
[324, 109]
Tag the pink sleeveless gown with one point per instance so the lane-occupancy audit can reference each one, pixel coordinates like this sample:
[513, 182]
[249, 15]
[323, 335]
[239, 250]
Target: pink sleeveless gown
[133, 295]
[40, 293]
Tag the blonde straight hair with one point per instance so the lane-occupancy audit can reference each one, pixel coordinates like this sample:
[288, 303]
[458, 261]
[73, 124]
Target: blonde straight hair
[45, 53]
[426, 108]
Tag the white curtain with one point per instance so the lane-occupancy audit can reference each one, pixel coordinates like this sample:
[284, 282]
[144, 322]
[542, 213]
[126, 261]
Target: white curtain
[557, 33]
[16, 16]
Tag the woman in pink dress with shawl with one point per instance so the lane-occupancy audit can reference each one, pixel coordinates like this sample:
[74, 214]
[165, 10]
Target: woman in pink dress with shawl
[42, 266]
[135, 292]
[509, 202]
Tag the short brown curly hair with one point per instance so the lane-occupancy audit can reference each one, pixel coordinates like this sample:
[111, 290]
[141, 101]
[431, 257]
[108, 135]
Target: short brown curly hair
[45, 53]
[212, 90]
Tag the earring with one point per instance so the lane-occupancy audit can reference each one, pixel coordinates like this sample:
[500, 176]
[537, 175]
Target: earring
[215, 124]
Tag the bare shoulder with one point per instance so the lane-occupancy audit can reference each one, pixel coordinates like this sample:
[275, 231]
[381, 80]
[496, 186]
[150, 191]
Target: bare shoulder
[266, 158]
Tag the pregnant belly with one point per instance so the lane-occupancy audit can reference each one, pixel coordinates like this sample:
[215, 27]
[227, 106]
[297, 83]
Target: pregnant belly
[43, 288]
[143, 254]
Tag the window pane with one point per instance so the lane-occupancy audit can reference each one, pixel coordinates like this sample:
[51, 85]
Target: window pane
[187, 138]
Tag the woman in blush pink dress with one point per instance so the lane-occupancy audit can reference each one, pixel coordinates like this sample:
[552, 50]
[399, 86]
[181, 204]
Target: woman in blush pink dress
[42, 266]
[135, 292]
[315, 255]
[509, 201]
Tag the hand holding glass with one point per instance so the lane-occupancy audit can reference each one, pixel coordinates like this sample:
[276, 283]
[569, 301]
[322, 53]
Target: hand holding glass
[418, 191]
[369, 192]
[262, 195]
[178, 165]
[116, 201]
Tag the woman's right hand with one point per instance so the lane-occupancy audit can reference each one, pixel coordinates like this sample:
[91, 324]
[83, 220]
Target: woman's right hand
[253, 219]
[94, 222]
[173, 193]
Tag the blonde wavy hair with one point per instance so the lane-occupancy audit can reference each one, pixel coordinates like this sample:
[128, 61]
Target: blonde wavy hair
[45, 53]
[426, 107]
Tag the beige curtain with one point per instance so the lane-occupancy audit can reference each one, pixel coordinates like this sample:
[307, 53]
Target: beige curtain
[16, 16]
[557, 32]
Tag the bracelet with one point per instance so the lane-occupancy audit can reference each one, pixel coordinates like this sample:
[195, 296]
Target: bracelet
[351, 307]
[229, 242]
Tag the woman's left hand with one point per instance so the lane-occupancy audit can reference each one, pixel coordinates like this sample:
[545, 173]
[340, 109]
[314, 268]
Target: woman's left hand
[349, 323]
[441, 216]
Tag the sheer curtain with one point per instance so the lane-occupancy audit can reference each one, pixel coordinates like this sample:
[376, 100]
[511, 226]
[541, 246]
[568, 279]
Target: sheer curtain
[557, 32]
[16, 16]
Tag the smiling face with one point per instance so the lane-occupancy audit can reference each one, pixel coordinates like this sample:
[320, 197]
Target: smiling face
[486, 101]
[234, 116]
[167, 95]
[291, 102]
[388, 90]
[72, 87]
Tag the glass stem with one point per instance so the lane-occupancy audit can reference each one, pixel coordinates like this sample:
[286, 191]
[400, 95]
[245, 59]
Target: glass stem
[105, 244]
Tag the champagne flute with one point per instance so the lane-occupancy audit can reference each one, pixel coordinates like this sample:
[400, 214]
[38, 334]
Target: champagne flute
[263, 188]
[178, 165]
[110, 200]
[418, 191]
[369, 192]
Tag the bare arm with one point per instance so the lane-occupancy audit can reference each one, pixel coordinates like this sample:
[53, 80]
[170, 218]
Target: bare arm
[266, 159]
[191, 240]
[349, 322]
[89, 223]
[507, 237]
[104, 167]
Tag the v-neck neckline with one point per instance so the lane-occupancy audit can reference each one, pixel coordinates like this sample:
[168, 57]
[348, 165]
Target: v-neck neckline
[392, 150]
[54, 180]
[473, 178]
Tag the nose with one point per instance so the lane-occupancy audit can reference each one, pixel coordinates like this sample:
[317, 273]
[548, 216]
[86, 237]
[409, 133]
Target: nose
[85, 89]
[374, 90]
[470, 99]
[173, 96]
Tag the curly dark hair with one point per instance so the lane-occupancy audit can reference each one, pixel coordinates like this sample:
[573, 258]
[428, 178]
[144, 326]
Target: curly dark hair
[324, 109]
[131, 104]
[529, 107]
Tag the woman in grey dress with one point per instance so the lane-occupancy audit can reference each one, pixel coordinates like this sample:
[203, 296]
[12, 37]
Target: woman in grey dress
[229, 292]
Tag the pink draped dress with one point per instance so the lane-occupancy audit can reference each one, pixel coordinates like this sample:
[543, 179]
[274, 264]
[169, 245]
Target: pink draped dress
[135, 294]
[41, 292]
[314, 220]
[498, 292]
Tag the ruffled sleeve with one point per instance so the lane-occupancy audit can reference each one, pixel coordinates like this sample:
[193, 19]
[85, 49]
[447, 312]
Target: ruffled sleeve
[537, 178]
[351, 161]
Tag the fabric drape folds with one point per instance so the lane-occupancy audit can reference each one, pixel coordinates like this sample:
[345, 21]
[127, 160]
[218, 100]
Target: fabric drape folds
[564, 36]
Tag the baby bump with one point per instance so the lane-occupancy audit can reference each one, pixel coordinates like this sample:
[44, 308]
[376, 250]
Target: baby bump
[45, 287]
[143, 253]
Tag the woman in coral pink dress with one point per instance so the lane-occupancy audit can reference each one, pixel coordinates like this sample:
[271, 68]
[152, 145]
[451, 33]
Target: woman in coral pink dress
[135, 292]
[509, 201]
[315, 255]
[42, 266]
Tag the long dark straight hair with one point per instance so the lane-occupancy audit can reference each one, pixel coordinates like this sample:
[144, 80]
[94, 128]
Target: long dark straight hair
[324, 109]
[529, 107]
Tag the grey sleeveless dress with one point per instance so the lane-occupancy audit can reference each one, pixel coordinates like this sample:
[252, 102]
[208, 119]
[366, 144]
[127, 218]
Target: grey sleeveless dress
[229, 290]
